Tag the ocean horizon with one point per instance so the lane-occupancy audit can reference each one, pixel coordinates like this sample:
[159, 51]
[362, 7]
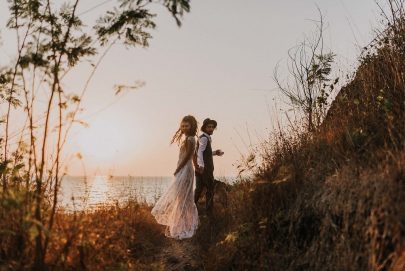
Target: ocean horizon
[89, 192]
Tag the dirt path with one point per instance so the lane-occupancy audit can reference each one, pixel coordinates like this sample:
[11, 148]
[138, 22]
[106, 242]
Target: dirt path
[180, 255]
[185, 255]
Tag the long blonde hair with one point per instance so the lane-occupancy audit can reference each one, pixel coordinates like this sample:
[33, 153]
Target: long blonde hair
[193, 129]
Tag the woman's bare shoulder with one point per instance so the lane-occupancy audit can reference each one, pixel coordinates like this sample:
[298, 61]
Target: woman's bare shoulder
[191, 139]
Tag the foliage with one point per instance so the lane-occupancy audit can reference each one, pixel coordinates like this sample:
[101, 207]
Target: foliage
[132, 21]
[51, 41]
[310, 68]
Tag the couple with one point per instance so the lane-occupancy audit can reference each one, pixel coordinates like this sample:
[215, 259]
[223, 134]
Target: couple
[177, 207]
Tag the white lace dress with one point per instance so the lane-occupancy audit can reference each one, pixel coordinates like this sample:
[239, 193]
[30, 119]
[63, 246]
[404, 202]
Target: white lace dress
[176, 208]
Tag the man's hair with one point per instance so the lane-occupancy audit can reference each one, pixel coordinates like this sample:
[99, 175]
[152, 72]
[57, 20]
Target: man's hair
[208, 121]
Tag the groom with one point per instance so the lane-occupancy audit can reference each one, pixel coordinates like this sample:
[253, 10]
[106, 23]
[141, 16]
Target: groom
[204, 164]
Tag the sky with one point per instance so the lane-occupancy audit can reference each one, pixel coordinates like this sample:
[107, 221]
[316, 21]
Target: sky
[219, 64]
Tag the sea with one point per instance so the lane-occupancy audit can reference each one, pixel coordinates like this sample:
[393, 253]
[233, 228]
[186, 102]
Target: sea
[83, 193]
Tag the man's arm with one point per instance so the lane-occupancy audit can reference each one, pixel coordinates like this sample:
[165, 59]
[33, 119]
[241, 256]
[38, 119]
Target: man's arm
[202, 145]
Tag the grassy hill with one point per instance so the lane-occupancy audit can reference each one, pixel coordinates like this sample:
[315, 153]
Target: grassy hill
[333, 199]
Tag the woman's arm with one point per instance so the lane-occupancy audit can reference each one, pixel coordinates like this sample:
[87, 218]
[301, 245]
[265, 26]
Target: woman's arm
[190, 146]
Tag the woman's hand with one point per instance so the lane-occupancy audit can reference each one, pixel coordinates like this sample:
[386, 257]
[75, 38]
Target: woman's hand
[199, 169]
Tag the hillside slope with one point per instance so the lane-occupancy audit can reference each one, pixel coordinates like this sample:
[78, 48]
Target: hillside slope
[333, 199]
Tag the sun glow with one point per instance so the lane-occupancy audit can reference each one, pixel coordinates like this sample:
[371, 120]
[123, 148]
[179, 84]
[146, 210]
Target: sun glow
[106, 140]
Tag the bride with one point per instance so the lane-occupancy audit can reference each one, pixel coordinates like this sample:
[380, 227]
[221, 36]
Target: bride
[176, 208]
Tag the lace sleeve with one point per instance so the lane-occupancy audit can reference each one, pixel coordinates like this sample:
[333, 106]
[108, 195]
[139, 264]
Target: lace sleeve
[191, 142]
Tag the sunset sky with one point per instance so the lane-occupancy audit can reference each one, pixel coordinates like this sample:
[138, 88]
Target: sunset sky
[219, 64]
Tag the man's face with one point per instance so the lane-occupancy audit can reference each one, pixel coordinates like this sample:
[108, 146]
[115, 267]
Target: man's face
[209, 129]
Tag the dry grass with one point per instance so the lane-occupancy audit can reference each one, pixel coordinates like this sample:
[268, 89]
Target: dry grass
[352, 220]
[333, 199]
[109, 238]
